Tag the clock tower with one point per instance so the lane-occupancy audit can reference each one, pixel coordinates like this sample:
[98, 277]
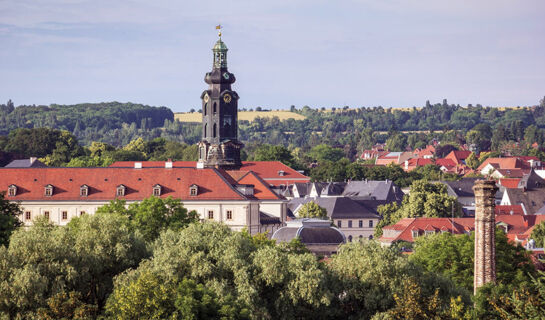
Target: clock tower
[219, 146]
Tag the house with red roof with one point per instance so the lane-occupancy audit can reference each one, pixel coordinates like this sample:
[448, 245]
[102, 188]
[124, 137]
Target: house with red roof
[427, 153]
[509, 167]
[515, 226]
[275, 173]
[398, 157]
[412, 164]
[239, 199]
[458, 156]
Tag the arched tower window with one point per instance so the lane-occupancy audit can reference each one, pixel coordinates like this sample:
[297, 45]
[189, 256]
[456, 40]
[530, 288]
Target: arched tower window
[205, 109]
[215, 133]
[215, 107]
[206, 130]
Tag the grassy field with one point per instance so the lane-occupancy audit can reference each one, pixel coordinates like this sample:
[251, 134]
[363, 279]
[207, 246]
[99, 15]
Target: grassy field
[242, 115]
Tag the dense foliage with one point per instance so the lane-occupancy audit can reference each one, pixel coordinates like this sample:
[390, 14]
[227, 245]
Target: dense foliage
[312, 210]
[9, 221]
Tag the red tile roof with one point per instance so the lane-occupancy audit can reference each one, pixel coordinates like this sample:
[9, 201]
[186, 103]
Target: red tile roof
[103, 183]
[511, 183]
[516, 225]
[458, 156]
[270, 171]
[507, 163]
[508, 209]
[448, 163]
[261, 189]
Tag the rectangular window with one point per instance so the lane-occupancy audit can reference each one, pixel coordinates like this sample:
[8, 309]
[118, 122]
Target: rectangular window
[339, 224]
[350, 223]
[210, 214]
[28, 215]
[81, 213]
[48, 192]
[156, 192]
[83, 192]
[64, 215]
[370, 223]
[360, 224]
[46, 214]
[229, 214]
[11, 192]
[120, 192]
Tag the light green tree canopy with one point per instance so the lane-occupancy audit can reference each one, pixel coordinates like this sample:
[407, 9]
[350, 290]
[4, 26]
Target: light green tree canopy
[312, 210]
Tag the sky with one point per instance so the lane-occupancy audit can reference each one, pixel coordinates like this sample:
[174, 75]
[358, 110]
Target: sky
[393, 53]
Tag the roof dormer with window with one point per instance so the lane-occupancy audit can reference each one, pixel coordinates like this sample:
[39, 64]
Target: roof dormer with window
[193, 190]
[157, 190]
[48, 192]
[12, 190]
[120, 190]
[84, 190]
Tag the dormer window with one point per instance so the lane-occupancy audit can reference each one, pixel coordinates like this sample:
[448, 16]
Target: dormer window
[429, 232]
[157, 190]
[415, 233]
[12, 190]
[120, 192]
[281, 173]
[84, 190]
[193, 190]
[48, 192]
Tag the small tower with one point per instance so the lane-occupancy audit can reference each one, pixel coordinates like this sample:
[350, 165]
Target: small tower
[485, 228]
[219, 146]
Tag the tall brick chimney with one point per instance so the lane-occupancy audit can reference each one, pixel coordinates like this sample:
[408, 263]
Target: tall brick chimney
[485, 227]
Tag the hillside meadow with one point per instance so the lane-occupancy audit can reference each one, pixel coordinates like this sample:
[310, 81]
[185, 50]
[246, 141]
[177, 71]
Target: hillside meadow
[242, 115]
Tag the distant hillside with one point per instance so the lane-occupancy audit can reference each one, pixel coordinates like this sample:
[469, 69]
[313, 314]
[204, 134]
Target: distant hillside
[242, 115]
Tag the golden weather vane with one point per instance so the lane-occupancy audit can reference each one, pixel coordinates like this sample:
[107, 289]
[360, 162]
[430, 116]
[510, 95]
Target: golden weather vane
[218, 27]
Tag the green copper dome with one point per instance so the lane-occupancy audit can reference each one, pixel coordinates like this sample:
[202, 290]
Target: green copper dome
[220, 46]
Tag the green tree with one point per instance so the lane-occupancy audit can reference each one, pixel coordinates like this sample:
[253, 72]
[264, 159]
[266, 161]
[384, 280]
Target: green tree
[269, 152]
[538, 234]
[312, 210]
[472, 161]
[453, 256]
[44, 264]
[153, 215]
[324, 152]
[9, 218]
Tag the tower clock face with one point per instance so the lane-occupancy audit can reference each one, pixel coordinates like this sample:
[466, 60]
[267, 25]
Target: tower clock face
[226, 75]
[227, 98]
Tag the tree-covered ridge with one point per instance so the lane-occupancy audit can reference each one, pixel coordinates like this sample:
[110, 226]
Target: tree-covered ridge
[85, 120]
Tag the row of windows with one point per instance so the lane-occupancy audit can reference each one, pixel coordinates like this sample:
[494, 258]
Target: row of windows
[360, 224]
[84, 190]
[46, 214]
[350, 238]
[228, 214]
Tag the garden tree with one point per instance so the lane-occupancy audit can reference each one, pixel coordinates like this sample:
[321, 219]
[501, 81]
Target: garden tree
[98, 149]
[32, 142]
[312, 210]
[47, 266]
[269, 152]
[472, 161]
[499, 136]
[522, 302]
[538, 234]
[137, 145]
[330, 171]
[147, 296]
[262, 281]
[153, 215]
[532, 134]
[425, 200]
[324, 152]
[9, 218]
[66, 148]
[453, 256]
[412, 305]
[396, 142]
[371, 276]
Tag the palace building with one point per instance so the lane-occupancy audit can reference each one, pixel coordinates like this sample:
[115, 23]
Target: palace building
[219, 187]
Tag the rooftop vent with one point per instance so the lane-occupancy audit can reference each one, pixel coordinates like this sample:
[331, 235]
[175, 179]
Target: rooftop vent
[138, 165]
[168, 164]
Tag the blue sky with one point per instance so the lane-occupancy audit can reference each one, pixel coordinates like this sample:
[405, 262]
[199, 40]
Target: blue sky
[394, 53]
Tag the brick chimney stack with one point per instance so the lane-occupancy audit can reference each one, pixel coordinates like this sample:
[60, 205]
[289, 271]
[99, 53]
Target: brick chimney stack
[485, 227]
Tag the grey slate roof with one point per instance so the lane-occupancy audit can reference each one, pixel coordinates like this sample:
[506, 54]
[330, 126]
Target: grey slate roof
[533, 200]
[378, 190]
[333, 189]
[310, 231]
[338, 207]
[265, 218]
[460, 188]
[25, 163]
[531, 181]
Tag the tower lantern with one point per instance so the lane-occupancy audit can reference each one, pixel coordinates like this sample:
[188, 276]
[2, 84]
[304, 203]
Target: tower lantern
[219, 146]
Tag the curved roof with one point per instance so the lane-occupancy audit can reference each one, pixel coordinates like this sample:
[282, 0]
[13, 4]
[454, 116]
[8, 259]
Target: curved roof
[310, 231]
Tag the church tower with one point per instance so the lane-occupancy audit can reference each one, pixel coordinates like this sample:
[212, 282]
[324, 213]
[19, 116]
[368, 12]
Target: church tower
[219, 146]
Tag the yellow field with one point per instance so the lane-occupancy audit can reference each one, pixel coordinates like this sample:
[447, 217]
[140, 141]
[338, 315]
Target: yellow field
[242, 115]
